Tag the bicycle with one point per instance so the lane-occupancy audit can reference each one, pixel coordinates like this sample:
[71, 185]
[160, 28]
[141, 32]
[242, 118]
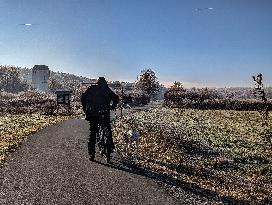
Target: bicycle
[104, 143]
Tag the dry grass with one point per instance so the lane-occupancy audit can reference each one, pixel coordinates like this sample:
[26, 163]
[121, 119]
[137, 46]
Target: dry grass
[223, 152]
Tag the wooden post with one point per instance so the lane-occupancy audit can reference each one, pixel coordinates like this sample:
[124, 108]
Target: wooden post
[122, 95]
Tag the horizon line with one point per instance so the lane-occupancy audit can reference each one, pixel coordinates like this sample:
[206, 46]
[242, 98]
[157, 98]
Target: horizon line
[167, 84]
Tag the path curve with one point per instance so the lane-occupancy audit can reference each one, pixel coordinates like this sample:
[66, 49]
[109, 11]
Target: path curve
[52, 167]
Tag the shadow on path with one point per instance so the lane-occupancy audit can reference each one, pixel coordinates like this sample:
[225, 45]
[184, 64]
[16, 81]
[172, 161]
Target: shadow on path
[121, 165]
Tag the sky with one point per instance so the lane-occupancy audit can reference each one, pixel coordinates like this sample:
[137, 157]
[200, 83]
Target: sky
[214, 43]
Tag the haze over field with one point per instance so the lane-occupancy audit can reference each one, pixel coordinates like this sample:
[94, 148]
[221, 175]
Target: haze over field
[199, 42]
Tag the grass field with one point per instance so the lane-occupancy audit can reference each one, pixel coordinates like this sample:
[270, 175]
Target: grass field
[227, 153]
[14, 129]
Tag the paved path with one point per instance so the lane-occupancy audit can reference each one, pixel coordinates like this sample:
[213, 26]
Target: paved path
[52, 167]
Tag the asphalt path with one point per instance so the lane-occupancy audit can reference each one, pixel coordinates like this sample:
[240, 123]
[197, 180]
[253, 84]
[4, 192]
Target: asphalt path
[53, 167]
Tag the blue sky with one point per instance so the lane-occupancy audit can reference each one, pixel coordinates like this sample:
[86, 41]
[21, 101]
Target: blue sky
[180, 40]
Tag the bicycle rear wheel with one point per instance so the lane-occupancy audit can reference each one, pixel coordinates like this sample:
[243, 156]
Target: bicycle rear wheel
[108, 146]
[104, 144]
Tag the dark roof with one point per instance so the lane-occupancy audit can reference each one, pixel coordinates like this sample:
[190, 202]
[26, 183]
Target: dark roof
[40, 67]
[63, 91]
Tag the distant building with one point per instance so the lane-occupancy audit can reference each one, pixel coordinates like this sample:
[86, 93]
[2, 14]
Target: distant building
[40, 77]
[129, 86]
[114, 85]
[118, 85]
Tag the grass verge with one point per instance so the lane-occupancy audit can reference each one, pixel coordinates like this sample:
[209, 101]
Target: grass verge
[226, 154]
[14, 129]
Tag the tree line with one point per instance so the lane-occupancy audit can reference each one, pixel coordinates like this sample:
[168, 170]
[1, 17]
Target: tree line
[146, 87]
[11, 81]
[179, 97]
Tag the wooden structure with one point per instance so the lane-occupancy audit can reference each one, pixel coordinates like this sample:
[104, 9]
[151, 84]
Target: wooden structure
[64, 98]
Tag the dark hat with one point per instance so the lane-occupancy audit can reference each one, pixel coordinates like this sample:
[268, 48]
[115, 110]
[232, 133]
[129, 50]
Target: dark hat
[101, 81]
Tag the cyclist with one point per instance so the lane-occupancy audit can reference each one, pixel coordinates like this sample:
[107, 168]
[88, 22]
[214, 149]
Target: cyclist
[98, 98]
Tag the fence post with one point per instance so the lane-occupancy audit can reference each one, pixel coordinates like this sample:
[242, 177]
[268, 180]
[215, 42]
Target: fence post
[122, 95]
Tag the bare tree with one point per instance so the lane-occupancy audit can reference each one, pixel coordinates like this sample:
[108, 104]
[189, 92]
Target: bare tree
[54, 85]
[259, 88]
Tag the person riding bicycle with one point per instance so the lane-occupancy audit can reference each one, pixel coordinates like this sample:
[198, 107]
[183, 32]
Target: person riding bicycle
[96, 99]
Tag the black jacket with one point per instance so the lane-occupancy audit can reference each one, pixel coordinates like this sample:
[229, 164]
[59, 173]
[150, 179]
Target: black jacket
[98, 98]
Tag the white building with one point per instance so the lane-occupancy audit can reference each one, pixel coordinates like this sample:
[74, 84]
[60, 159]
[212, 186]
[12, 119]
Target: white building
[40, 77]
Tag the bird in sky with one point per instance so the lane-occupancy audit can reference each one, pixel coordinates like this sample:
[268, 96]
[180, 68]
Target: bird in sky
[28, 24]
[203, 9]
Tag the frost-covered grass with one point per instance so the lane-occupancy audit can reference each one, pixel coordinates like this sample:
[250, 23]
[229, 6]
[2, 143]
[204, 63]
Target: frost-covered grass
[14, 129]
[223, 151]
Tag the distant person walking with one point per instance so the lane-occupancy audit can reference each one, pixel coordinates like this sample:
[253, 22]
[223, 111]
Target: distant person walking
[98, 98]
